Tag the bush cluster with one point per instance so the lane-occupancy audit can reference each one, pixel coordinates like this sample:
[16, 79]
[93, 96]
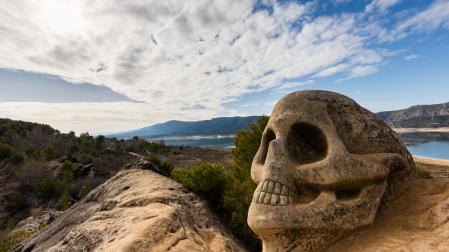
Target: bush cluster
[229, 192]
[207, 180]
[10, 153]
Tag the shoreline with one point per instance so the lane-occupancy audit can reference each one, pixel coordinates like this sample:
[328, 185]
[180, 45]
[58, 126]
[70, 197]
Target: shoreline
[413, 130]
[431, 161]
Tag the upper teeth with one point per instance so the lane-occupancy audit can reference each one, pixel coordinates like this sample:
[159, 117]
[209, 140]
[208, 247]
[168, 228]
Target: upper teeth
[273, 193]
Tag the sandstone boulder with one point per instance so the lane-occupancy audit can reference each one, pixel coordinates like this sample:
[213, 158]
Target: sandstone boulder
[324, 168]
[136, 210]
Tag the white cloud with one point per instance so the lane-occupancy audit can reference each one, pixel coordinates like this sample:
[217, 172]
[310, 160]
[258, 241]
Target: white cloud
[341, 1]
[250, 104]
[185, 56]
[332, 70]
[294, 84]
[360, 71]
[96, 117]
[436, 15]
[411, 57]
[381, 5]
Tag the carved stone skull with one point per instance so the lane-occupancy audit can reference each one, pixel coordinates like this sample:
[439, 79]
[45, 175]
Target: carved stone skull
[324, 167]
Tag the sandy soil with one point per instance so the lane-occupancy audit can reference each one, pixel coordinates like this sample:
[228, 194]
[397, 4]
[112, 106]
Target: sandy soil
[418, 220]
[438, 167]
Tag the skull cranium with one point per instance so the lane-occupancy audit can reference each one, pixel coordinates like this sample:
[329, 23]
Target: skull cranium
[323, 168]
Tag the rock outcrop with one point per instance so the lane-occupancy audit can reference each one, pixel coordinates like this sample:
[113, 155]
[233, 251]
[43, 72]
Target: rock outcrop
[419, 116]
[136, 210]
[33, 223]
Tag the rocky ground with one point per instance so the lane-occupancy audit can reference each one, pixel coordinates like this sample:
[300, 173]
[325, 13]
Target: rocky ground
[140, 209]
[136, 210]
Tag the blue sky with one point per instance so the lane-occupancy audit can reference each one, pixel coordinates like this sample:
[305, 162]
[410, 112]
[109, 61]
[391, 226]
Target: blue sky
[101, 66]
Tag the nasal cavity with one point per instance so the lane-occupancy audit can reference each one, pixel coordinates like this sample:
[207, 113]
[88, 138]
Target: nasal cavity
[306, 143]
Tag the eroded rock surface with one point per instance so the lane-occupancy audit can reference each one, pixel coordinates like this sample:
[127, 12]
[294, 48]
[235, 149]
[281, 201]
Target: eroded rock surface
[324, 168]
[33, 223]
[136, 210]
[416, 221]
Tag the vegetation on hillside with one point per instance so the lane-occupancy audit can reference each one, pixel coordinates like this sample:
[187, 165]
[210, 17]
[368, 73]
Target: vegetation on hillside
[419, 116]
[229, 192]
[42, 168]
[220, 126]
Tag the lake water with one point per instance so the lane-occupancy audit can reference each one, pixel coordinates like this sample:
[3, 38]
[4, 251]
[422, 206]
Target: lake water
[221, 141]
[434, 145]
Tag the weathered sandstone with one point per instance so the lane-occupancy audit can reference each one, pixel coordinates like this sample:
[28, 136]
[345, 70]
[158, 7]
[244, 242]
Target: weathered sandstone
[324, 168]
[136, 210]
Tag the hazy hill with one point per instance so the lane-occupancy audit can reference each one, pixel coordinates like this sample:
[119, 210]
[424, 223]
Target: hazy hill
[215, 126]
[419, 116]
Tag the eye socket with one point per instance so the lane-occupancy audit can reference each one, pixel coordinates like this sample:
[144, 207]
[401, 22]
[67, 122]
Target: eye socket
[306, 143]
[266, 139]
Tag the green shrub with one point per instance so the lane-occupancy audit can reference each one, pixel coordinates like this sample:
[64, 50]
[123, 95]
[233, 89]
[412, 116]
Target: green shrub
[8, 152]
[10, 224]
[63, 202]
[72, 151]
[16, 202]
[49, 152]
[5, 151]
[239, 193]
[230, 192]
[246, 145]
[99, 170]
[423, 172]
[99, 142]
[8, 240]
[86, 158]
[32, 153]
[165, 168]
[17, 157]
[46, 187]
[85, 189]
[68, 171]
[208, 180]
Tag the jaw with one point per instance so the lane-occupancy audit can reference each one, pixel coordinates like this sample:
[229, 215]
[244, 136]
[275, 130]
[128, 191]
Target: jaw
[266, 219]
[326, 212]
[283, 231]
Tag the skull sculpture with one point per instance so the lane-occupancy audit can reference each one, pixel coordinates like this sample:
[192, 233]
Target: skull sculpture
[324, 166]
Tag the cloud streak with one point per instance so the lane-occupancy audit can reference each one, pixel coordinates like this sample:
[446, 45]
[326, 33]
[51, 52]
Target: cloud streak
[192, 56]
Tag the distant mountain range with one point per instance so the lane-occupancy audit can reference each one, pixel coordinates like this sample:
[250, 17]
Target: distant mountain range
[215, 126]
[419, 116]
